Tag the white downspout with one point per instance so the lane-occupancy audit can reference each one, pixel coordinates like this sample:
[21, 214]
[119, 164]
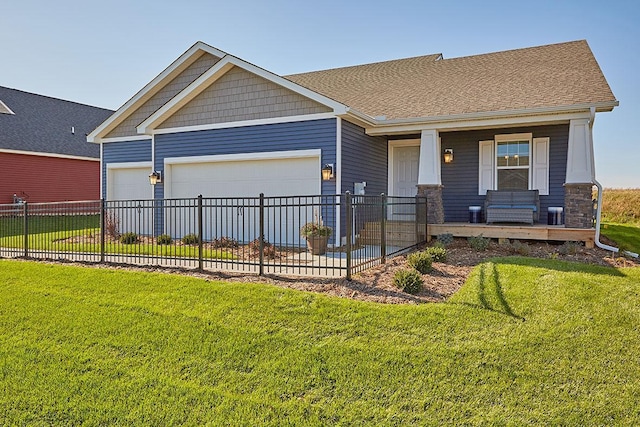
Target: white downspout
[599, 206]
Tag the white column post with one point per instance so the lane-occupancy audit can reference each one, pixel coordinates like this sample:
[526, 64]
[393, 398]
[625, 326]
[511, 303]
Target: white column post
[580, 165]
[429, 168]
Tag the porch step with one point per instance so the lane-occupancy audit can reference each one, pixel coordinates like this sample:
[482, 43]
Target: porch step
[398, 233]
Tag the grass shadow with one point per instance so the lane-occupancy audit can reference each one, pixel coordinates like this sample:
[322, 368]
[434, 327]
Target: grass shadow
[559, 265]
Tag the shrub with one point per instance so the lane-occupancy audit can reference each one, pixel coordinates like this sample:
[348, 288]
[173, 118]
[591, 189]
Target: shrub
[225, 242]
[268, 250]
[129, 238]
[164, 239]
[408, 281]
[521, 248]
[421, 261]
[445, 239]
[190, 239]
[569, 248]
[438, 253]
[479, 243]
[112, 225]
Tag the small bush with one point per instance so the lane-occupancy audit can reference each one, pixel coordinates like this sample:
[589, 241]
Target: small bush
[437, 253]
[225, 242]
[112, 225]
[408, 281]
[164, 239]
[445, 239]
[190, 239]
[129, 238]
[521, 248]
[421, 261]
[479, 243]
[268, 250]
[569, 248]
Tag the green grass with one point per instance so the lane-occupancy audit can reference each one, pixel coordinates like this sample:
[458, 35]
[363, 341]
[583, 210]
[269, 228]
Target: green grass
[626, 236]
[524, 342]
[49, 233]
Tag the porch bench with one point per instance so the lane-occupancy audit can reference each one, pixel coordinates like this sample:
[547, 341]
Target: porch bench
[512, 206]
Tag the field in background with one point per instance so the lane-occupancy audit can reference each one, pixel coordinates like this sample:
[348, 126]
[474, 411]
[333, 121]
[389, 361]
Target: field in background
[621, 206]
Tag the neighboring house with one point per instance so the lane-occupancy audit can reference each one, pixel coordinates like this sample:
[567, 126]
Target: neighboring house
[216, 125]
[44, 154]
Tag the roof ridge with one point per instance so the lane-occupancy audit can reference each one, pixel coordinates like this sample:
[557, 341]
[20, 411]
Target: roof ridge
[519, 49]
[435, 56]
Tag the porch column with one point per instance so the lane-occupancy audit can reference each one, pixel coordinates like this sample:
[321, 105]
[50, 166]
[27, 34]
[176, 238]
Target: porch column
[578, 205]
[429, 178]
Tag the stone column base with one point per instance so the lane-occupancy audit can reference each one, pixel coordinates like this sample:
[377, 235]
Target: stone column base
[435, 208]
[578, 205]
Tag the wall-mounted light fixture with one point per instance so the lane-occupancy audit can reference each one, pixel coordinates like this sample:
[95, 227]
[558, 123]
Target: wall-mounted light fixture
[327, 172]
[448, 155]
[155, 177]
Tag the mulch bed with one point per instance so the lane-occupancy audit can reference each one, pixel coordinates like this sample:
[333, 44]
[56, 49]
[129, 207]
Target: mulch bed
[376, 284]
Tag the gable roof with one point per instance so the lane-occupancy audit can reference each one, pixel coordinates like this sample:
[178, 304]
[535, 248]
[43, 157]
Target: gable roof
[43, 124]
[557, 75]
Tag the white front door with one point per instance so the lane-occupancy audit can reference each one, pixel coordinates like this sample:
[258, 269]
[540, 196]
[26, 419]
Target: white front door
[405, 158]
[404, 170]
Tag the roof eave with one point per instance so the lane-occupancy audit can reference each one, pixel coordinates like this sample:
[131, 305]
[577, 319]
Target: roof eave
[379, 127]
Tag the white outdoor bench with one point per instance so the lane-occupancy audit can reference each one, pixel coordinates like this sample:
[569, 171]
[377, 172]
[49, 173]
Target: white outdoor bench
[512, 206]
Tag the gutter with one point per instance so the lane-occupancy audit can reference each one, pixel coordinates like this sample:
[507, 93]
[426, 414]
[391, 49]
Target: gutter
[599, 208]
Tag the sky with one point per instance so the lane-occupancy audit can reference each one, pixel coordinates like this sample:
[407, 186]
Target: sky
[102, 52]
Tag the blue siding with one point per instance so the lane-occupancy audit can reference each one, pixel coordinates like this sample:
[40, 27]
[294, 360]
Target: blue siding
[460, 178]
[364, 158]
[120, 152]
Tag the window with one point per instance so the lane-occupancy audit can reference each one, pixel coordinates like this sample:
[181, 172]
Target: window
[514, 162]
[512, 165]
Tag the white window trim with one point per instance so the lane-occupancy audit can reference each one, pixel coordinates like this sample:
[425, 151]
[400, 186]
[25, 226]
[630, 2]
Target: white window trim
[513, 137]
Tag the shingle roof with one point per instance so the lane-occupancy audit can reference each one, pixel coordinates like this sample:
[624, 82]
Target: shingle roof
[555, 75]
[43, 124]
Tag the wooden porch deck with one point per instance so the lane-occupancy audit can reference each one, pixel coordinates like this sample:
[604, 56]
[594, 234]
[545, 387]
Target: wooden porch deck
[516, 231]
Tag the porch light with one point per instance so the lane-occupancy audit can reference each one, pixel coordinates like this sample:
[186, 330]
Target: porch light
[155, 177]
[448, 155]
[327, 172]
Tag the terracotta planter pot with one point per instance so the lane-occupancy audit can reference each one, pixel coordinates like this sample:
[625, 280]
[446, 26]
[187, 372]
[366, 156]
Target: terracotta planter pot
[317, 245]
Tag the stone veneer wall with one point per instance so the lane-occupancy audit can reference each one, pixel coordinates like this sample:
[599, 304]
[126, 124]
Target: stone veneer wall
[578, 205]
[435, 207]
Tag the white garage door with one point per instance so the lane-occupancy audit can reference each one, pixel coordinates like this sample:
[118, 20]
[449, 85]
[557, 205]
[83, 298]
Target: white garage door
[248, 178]
[238, 219]
[128, 191]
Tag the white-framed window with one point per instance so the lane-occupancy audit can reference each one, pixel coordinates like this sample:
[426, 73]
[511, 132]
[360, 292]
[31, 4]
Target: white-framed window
[514, 162]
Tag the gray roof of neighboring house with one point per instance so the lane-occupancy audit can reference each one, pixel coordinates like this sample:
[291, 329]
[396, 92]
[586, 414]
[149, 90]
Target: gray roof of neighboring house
[43, 124]
[556, 75]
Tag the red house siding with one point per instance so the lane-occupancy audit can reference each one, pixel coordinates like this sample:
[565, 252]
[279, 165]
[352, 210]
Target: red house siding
[48, 179]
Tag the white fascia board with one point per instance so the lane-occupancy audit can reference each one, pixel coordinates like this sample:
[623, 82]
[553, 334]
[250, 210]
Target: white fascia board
[243, 123]
[54, 155]
[152, 87]
[217, 71]
[124, 139]
[549, 115]
[269, 155]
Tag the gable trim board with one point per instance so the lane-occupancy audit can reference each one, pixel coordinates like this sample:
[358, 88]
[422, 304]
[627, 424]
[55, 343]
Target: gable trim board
[55, 155]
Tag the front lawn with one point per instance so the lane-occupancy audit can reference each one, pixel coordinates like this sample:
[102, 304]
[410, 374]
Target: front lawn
[526, 341]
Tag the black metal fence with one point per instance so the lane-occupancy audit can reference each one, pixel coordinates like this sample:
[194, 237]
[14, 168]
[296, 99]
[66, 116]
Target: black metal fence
[294, 235]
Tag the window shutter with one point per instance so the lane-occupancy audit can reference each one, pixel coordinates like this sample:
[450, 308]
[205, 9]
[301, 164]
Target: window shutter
[486, 168]
[540, 166]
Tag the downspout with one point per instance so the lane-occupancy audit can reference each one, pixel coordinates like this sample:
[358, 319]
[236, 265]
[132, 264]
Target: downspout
[598, 243]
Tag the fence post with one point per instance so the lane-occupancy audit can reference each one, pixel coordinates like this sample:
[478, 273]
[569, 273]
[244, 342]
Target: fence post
[349, 230]
[200, 265]
[261, 235]
[25, 212]
[383, 229]
[103, 223]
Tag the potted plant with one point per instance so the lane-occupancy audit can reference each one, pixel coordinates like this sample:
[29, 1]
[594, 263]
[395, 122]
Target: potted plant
[317, 236]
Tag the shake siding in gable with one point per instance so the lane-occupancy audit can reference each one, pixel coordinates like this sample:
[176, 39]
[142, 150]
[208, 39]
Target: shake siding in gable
[122, 152]
[315, 134]
[460, 178]
[240, 95]
[364, 158]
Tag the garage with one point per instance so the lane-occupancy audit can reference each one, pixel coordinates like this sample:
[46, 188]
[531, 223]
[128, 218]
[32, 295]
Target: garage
[290, 173]
[128, 193]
